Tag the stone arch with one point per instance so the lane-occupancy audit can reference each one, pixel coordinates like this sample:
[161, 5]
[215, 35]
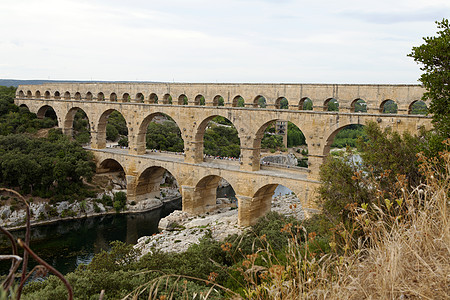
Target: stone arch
[100, 140]
[199, 100]
[388, 106]
[260, 101]
[113, 97]
[358, 105]
[21, 94]
[330, 138]
[282, 103]
[418, 107]
[126, 97]
[47, 95]
[238, 101]
[101, 96]
[331, 104]
[148, 183]
[57, 95]
[24, 106]
[44, 110]
[68, 126]
[167, 99]
[200, 134]
[218, 101]
[142, 132]
[38, 94]
[153, 98]
[183, 100]
[139, 98]
[205, 195]
[66, 95]
[305, 103]
[29, 94]
[77, 96]
[110, 165]
[89, 96]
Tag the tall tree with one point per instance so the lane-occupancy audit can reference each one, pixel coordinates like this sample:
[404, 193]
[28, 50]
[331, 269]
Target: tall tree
[434, 56]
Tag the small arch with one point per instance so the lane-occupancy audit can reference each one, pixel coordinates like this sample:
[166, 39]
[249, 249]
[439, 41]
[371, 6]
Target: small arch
[101, 96]
[183, 100]
[167, 99]
[331, 104]
[305, 104]
[66, 96]
[140, 98]
[153, 98]
[47, 95]
[89, 96]
[29, 94]
[282, 103]
[148, 185]
[260, 101]
[126, 97]
[25, 107]
[359, 105]
[113, 97]
[238, 101]
[21, 94]
[199, 100]
[388, 107]
[57, 95]
[38, 94]
[218, 101]
[418, 107]
[77, 96]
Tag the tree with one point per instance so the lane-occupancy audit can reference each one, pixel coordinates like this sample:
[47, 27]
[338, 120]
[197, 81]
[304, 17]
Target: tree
[434, 56]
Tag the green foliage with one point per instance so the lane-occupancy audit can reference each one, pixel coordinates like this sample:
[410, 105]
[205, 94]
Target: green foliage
[333, 105]
[119, 201]
[434, 58]
[46, 164]
[295, 136]
[116, 126]
[348, 136]
[271, 141]
[165, 136]
[390, 107]
[221, 141]
[284, 104]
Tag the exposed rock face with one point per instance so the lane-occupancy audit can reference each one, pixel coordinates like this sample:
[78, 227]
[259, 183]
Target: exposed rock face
[288, 160]
[180, 229]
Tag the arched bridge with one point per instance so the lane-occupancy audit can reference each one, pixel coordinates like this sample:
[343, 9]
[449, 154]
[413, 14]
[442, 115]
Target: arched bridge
[192, 106]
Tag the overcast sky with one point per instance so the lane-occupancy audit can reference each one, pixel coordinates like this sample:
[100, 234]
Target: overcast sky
[216, 41]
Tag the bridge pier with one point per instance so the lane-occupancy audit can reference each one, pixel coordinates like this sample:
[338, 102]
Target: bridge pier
[96, 141]
[197, 200]
[250, 159]
[252, 208]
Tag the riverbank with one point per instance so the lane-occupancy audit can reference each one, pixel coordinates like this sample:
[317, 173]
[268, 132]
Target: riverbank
[179, 230]
[43, 213]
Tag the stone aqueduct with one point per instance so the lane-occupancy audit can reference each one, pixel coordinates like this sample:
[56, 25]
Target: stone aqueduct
[198, 177]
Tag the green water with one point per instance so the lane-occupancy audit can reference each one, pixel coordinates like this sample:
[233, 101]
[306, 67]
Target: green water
[67, 244]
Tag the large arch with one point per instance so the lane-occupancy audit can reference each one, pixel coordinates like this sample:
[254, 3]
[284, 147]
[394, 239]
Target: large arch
[69, 128]
[148, 183]
[100, 141]
[205, 195]
[110, 165]
[224, 131]
[142, 132]
[43, 112]
[330, 138]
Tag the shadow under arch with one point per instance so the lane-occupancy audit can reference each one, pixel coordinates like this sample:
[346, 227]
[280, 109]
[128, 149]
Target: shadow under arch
[112, 170]
[205, 195]
[148, 183]
[263, 197]
[101, 127]
[81, 130]
[141, 144]
[47, 111]
[229, 141]
[355, 130]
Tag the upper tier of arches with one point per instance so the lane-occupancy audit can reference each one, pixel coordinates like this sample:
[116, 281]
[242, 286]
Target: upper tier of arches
[343, 98]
